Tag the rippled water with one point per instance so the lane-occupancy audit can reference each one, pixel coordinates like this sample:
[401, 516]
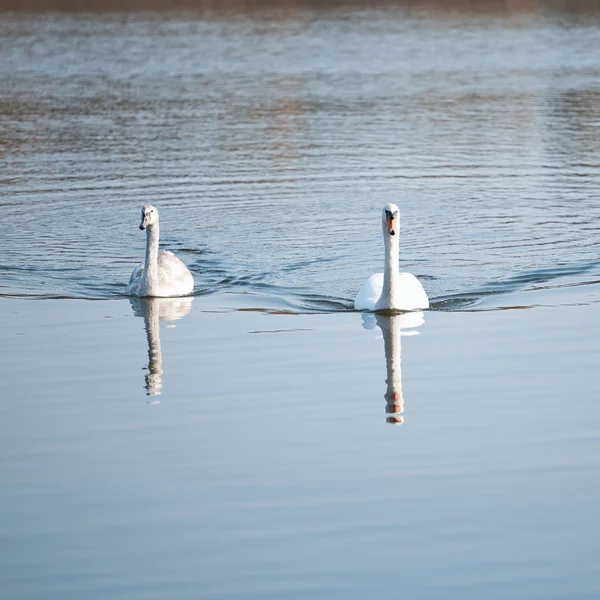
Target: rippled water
[223, 446]
[270, 146]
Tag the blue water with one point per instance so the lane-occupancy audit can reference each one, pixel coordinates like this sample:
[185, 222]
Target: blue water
[261, 439]
[267, 466]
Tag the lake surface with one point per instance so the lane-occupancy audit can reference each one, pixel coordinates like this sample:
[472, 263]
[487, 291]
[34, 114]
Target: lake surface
[270, 145]
[261, 439]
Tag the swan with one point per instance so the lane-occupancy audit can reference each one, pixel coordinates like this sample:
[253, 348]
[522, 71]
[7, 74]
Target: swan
[391, 290]
[162, 274]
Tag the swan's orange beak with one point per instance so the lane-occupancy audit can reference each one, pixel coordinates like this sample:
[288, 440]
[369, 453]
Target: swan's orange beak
[391, 223]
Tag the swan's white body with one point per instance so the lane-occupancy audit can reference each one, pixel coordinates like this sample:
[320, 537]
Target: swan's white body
[391, 290]
[162, 274]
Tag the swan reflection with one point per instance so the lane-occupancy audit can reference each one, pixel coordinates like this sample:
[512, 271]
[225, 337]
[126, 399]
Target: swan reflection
[154, 310]
[392, 328]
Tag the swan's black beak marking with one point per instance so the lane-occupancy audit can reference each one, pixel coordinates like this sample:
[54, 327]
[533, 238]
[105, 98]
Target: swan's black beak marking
[142, 227]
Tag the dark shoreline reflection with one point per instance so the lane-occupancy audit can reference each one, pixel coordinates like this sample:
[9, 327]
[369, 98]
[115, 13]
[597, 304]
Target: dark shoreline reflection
[283, 8]
[153, 311]
[391, 328]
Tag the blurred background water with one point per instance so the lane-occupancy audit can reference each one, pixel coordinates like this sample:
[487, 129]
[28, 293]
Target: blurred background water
[270, 140]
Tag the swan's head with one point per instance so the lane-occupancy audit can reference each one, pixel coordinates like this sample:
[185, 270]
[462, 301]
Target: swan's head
[390, 218]
[149, 216]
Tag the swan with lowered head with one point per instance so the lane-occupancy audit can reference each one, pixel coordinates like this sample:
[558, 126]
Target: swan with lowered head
[391, 290]
[162, 274]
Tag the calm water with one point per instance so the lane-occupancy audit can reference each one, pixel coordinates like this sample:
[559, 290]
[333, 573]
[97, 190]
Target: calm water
[268, 470]
[237, 444]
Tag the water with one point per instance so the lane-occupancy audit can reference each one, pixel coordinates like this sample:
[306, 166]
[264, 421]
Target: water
[271, 145]
[268, 470]
[261, 439]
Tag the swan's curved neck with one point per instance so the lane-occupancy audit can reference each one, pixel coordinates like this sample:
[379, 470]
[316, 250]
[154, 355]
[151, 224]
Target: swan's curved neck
[150, 280]
[391, 270]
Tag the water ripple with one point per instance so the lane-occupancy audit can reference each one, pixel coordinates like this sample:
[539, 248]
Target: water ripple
[270, 157]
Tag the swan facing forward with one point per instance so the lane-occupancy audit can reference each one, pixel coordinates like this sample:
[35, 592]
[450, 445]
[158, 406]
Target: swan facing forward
[162, 274]
[391, 290]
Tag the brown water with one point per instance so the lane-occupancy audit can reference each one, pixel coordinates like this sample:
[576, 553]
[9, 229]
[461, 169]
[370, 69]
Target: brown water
[261, 439]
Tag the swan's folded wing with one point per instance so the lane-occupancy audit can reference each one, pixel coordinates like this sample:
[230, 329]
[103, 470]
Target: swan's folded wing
[174, 277]
[135, 280]
[413, 295]
[369, 293]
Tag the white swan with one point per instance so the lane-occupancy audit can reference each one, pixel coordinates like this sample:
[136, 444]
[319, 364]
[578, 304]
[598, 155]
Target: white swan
[162, 274]
[391, 290]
